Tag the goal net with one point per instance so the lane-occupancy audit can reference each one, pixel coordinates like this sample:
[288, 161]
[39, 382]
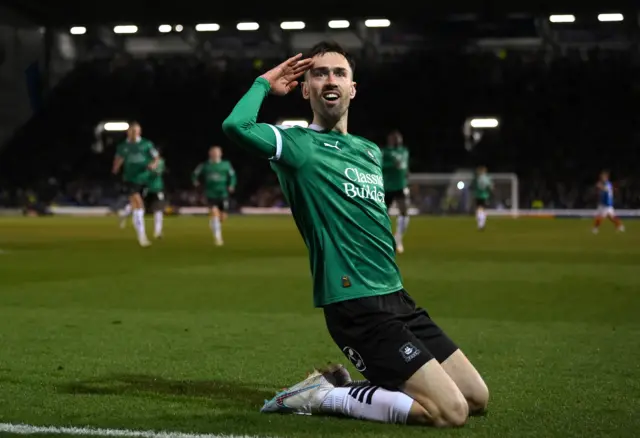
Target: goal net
[450, 194]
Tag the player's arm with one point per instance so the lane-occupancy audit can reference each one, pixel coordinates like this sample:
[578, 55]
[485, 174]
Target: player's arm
[160, 168]
[118, 160]
[117, 164]
[263, 139]
[232, 179]
[155, 157]
[195, 176]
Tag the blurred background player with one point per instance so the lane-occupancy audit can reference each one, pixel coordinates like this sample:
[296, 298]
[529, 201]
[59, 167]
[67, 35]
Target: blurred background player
[137, 156]
[155, 196]
[482, 187]
[219, 181]
[605, 203]
[124, 213]
[395, 171]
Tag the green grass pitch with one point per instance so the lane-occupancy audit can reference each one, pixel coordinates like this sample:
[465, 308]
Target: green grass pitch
[184, 336]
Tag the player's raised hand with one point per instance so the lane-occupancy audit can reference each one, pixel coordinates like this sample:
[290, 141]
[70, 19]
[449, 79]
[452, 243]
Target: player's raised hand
[283, 78]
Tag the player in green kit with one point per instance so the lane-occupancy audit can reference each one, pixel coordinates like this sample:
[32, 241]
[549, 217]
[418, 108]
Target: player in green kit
[333, 183]
[482, 187]
[395, 170]
[137, 157]
[219, 181]
[154, 196]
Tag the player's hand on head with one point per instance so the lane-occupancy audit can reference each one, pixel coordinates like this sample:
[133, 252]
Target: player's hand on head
[283, 78]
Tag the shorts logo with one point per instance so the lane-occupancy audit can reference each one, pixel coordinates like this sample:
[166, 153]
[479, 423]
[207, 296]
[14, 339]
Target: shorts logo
[409, 352]
[345, 281]
[355, 358]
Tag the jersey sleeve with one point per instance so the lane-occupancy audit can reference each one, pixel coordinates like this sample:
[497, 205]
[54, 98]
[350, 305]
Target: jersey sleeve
[153, 151]
[195, 176]
[121, 150]
[232, 176]
[160, 168]
[266, 140]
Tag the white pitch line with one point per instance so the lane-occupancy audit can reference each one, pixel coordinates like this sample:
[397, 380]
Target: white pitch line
[27, 429]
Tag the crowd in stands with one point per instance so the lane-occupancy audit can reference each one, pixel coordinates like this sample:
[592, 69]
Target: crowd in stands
[563, 118]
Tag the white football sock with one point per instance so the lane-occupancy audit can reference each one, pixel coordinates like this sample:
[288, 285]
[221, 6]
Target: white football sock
[368, 403]
[402, 225]
[216, 227]
[138, 223]
[158, 217]
[126, 211]
[481, 218]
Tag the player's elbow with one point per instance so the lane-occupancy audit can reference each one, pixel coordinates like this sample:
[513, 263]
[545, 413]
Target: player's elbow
[232, 127]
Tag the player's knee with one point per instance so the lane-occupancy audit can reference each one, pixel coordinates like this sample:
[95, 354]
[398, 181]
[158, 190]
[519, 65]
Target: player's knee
[453, 413]
[478, 398]
[402, 208]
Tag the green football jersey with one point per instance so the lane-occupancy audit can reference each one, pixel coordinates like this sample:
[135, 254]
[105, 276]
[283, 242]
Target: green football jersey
[218, 178]
[137, 157]
[333, 183]
[395, 167]
[155, 184]
[482, 186]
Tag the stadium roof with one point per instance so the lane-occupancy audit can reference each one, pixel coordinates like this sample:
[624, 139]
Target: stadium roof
[83, 12]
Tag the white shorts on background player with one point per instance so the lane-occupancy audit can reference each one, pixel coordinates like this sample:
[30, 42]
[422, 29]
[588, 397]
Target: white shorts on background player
[605, 210]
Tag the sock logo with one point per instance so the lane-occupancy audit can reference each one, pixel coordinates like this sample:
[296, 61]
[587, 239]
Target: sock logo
[364, 394]
[355, 358]
[409, 352]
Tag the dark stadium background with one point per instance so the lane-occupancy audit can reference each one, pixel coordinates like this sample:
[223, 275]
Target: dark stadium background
[565, 93]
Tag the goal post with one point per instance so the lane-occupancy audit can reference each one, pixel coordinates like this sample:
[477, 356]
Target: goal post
[451, 194]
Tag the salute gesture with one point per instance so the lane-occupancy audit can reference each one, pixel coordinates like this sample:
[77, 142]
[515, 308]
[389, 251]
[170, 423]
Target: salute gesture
[283, 77]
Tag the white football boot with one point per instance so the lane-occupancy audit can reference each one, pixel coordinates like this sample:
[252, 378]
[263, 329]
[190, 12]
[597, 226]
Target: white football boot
[304, 398]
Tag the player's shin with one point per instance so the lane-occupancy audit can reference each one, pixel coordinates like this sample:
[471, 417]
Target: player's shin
[368, 403]
[216, 226]
[481, 218]
[138, 223]
[403, 224]
[158, 219]
[617, 222]
[596, 223]
[126, 211]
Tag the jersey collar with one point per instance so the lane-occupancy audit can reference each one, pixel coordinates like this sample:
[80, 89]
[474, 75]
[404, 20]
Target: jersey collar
[316, 127]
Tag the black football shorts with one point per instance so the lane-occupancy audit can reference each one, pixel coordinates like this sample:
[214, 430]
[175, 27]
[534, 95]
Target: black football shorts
[387, 338]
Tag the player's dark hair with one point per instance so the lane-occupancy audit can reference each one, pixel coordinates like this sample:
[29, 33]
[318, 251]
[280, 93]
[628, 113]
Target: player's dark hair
[332, 47]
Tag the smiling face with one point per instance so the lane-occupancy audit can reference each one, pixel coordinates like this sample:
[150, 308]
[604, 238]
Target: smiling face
[329, 86]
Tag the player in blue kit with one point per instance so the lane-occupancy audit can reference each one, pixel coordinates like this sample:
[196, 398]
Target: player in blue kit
[605, 204]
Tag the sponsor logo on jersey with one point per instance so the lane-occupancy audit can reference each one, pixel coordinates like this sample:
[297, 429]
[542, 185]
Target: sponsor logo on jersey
[370, 186]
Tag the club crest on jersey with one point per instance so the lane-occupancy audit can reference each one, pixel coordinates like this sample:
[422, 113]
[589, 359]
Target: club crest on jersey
[371, 155]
